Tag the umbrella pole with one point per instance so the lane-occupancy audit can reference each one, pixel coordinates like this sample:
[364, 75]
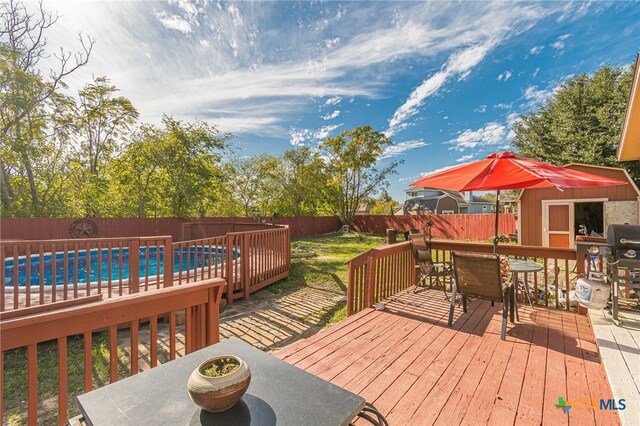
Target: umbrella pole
[497, 234]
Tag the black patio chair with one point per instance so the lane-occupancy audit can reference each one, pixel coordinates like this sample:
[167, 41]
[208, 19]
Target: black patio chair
[430, 272]
[479, 275]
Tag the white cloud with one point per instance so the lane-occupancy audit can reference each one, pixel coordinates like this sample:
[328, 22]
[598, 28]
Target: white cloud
[402, 147]
[465, 158]
[329, 43]
[236, 17]
[559, 44]
[334, 100]
[502, 106]
[504, 76]
[491, 134]
[298, 137]
[534, 74]
[536, 50]
[325, 131]
[173, 22]
[331, 116]
[204, 43]
[536, 97]
[481, 108]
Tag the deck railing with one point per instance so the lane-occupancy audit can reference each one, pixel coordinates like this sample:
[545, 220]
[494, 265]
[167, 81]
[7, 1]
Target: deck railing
[49, 271]
[248, 260]
[377, 273]
[139, 314]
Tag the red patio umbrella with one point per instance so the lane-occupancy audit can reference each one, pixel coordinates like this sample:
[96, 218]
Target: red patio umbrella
[505, 170]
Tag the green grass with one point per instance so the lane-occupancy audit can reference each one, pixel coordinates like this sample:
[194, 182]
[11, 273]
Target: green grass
[327, 268]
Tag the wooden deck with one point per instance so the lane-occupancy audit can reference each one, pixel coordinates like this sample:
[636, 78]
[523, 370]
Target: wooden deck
[416, 370]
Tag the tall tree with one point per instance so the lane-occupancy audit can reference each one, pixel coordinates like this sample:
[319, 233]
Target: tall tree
[255, 182]
[352, 159]
[305, 179]
[30, 99]
[581, 122]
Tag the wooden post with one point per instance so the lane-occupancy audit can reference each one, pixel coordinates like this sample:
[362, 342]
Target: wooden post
[168, 261]
[350, 284]
[230, 278]
[134, 265]
[245, 263]
[370, 283]
[213, 315]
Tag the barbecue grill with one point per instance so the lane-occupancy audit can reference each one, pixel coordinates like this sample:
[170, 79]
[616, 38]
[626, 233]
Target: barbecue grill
[623, 261]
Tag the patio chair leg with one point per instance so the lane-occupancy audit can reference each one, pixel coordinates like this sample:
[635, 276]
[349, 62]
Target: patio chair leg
[464, 304]
[505, 314]
[453, 304]
[515, 305]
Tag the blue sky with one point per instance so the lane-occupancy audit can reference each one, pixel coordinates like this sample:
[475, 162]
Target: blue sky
[446, 81]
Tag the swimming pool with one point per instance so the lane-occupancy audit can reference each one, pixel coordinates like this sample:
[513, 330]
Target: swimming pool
[153, 258]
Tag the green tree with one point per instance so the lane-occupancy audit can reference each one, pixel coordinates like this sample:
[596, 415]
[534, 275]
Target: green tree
[352, 159]
[100, 121]
[256, 182]
[32, 159]
[581, 122]
[305, 178]
[169, 171]
[384, 204]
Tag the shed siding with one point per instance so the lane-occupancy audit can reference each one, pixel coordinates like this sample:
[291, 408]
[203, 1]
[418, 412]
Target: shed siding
[531, 200]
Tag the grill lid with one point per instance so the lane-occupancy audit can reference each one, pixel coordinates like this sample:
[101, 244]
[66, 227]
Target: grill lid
[624, 236]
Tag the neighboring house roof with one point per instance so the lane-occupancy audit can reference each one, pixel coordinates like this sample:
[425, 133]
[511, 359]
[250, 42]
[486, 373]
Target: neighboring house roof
[629, 147]
[421, 205]
[442, 192]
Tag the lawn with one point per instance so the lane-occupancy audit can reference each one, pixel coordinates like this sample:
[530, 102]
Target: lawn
[326, 269]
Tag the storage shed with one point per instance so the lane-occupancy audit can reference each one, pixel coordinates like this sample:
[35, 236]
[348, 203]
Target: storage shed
[550, 217]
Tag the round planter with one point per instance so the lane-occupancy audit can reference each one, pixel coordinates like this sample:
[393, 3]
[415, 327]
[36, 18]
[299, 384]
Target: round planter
[216, 394]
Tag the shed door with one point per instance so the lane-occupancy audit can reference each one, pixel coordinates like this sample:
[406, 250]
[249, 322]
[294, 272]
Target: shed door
[557, 223]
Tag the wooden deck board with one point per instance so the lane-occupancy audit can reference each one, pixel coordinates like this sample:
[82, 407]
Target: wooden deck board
[416, 370]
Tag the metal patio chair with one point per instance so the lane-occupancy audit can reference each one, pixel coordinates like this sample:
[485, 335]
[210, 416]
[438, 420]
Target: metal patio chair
[429, 271]
[479, 275]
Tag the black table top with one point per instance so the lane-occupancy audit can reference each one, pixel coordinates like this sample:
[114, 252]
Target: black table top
[279, 393]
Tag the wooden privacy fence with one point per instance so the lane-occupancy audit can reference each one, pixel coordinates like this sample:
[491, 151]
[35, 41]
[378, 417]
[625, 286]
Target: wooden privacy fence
[60, 228]
[475, 227]
[380, 272]
[199, 302]
[46, 271]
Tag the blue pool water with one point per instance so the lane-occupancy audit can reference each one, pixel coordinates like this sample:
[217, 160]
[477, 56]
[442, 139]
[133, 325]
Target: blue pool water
[55, 271]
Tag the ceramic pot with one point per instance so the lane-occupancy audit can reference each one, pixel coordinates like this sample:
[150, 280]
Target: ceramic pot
[216, 394]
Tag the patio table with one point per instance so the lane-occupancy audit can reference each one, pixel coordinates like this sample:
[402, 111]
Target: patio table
[521, 266]
[279, 393]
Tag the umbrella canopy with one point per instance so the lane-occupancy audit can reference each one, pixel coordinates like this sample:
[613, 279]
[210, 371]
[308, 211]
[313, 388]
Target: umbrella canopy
[505, 170]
